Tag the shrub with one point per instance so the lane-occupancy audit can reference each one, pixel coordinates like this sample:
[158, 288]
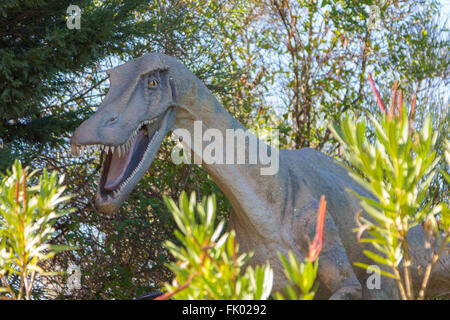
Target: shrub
[26, 218]
[397, 168]
[209, 265]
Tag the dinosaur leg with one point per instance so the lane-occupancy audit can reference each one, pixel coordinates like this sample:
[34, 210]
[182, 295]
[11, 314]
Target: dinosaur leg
[335, 270]
[337, 274]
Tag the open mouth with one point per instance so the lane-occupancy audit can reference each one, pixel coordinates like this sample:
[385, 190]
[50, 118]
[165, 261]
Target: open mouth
[122, 162]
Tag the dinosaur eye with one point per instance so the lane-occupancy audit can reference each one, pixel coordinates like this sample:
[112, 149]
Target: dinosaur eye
[152, 83]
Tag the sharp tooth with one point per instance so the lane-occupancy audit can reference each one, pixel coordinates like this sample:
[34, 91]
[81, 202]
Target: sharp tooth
[113, 149]
[107, 149]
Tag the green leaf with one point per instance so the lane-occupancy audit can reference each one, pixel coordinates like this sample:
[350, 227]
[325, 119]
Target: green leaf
[366, 266]
[377, 258]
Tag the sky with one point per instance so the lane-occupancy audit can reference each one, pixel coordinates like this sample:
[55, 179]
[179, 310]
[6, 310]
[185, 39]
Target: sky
[446, 11]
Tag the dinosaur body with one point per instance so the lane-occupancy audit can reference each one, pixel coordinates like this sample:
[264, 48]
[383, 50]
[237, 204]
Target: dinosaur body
[271, 213]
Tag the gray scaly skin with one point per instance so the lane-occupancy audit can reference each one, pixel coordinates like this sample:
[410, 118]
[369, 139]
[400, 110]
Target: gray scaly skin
[153, 94]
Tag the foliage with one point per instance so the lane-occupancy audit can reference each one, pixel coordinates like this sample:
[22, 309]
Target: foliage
[51, 78]
[397, 168]
[316, 55]
[301, 276]
[208, 265]
[27, 216]
[208, 262]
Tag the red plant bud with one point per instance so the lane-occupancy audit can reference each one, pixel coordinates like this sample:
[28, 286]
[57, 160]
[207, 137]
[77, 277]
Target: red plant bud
[400, 104]
[377, 94]
[393, 98]
[316, 245]
[16, 195]
[413, 107]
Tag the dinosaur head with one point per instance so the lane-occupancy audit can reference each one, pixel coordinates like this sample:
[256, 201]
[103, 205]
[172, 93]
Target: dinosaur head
[130, 124]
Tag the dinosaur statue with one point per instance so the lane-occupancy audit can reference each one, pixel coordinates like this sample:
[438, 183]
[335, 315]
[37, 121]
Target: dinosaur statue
[155, 93]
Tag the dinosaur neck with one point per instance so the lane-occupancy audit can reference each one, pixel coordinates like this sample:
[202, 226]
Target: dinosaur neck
[246, 185]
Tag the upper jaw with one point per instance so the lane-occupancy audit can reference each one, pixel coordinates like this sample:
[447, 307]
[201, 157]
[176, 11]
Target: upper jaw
[77, 149]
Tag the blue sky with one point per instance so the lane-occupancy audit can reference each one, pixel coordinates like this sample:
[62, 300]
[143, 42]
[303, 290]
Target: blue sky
[446, 11]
